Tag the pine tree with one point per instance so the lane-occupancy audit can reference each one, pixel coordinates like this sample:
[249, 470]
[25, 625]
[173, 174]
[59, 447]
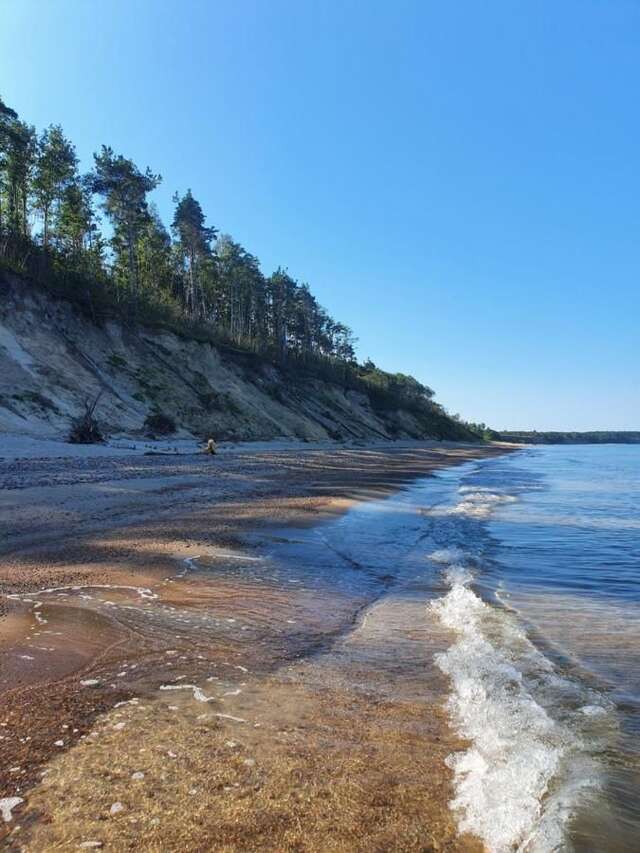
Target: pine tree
[7, 119]
[155, 260]
[194, 245]
[55, 169]
[75, 225]
[124, 188]
[281, 289]
[19, 158]
[240, 294]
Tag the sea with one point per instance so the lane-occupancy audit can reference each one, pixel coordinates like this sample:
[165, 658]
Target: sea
[522, 572]
[529, 563]
[506, 589]
[541, 553]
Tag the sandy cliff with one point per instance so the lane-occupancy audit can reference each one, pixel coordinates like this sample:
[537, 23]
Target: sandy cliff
[53, 359]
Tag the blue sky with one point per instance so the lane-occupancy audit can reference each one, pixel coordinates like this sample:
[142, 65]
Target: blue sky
[458, 181]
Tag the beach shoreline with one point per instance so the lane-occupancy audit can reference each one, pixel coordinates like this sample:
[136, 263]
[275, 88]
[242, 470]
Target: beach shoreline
[108, 542]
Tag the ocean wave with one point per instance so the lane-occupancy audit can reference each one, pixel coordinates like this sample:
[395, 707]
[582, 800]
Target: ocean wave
[517, 784]
[479, 502]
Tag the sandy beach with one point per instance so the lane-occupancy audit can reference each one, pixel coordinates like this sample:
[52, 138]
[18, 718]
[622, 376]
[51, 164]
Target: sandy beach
[162, 687]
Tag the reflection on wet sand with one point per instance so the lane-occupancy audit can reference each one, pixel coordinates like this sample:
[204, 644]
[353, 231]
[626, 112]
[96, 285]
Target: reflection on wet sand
[260, 632]
[344, 750]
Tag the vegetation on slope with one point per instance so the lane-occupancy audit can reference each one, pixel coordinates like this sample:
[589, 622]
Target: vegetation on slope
[593, 437]
[189, 279]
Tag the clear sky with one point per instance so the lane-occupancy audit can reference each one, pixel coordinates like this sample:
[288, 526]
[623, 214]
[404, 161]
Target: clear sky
[458, 181]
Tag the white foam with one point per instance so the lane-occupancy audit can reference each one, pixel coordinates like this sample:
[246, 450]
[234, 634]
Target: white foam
[447, 555]
[593, 710]
[198, 693]
[7, 804]
[143, 592]
[507, 783]
[228, 556]
[480, 503]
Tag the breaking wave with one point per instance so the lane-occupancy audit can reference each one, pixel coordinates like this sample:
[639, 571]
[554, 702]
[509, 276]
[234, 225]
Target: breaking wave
[527, 768]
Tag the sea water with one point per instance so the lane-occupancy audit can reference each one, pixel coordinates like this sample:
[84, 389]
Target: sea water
[540, 551]
[527, 568]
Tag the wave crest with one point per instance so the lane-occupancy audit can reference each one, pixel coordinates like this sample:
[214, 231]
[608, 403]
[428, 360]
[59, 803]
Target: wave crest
[506, 782]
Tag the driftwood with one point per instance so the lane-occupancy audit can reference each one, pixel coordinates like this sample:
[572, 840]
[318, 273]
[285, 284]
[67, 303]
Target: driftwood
[85, 429]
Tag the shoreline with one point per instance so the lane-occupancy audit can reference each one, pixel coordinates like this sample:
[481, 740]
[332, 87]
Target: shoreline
[16, 447]
[129, 531]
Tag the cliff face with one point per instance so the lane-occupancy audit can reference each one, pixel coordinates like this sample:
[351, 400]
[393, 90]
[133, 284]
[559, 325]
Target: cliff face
[53, 359]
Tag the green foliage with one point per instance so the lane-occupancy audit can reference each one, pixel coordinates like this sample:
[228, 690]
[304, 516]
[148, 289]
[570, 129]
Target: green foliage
[198, 285]
[55, 170]
[18, 143]
[75, 229]
[117, 361]
[593, 437]
[194, 249]
[124, 189]
[395, 389]
[482, 431]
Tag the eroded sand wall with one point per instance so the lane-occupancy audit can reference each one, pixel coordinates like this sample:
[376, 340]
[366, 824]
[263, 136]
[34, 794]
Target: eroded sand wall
[52, 360]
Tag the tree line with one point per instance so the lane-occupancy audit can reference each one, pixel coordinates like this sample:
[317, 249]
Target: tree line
[559, 437]
[52, 229]
[211, 277]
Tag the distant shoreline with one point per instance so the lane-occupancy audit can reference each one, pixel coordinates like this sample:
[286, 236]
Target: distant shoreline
[559, 437]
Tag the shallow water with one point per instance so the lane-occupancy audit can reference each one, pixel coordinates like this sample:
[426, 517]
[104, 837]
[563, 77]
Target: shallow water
[508, 588]
[541, 551]
[525, 569]
[565, 559]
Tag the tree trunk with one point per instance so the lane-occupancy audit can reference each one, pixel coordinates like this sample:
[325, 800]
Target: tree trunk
[133, 281]
[45, 230]
[24, 210]
[191, 301]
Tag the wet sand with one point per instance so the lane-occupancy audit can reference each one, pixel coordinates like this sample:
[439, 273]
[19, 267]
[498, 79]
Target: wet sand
[278, 728]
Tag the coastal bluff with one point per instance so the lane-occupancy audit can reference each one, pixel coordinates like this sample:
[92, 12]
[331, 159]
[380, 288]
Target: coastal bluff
[54, 358]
